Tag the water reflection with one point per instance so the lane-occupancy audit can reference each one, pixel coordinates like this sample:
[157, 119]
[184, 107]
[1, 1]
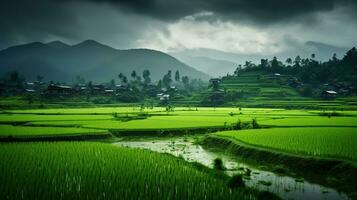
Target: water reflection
[284, 186]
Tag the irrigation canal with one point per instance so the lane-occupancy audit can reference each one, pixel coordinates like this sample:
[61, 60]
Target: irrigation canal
[287, 187]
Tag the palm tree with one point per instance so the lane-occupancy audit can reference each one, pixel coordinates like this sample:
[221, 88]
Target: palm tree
[133, 74]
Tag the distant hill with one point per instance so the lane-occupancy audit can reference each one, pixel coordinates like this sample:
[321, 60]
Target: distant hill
[325, 51]
[212, 67]
[91, 60]
[220, 62]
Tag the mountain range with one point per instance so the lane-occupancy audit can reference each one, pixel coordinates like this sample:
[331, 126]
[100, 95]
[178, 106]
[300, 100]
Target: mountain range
[91, 60]
[218, 63]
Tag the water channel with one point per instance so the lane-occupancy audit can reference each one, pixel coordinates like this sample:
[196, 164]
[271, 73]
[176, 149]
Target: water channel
[287, 187]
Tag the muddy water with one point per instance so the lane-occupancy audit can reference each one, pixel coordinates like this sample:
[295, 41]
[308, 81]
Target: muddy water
[286, 187]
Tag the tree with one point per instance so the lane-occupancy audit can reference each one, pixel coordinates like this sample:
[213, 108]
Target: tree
[185, 81]
[248, 64]
[146, 76]
[297, 61]
[236, 71]
[334, 57]
[167, 79]
[177, 76]
[305, 62]
[133, 74]
[263, 63]
[313, 56]
[289, 61]
[120, 76]
[125, 80]
[159, 84]
[275, 64]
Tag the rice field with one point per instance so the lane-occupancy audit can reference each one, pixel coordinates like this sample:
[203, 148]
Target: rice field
[84, 170]
[37, 117]
[87, 170]
[157, 118]
[310, 132]
[312, 122]
[24, 131]
[332, 142]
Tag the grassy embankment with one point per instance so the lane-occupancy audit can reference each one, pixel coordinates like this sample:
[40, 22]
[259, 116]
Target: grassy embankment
[319, 144]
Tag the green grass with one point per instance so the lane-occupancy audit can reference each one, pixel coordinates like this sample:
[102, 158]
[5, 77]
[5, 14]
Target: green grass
[26, 131]
[97, 110]
[312, 121]
[83, 170]
[320, 142]
[171, 122]
[34, 117]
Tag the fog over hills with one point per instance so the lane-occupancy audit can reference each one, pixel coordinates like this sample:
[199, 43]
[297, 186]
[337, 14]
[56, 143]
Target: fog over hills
[91, 60]
[219, 63]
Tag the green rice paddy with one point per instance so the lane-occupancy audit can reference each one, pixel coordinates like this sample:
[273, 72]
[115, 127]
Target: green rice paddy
[84, 170]
[329, 142]
[24, 131]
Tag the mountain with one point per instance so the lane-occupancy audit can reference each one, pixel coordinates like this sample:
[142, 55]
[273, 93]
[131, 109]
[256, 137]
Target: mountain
[325, 51]
[218, 55]
[58, 44]
[91, 60]
[221, 62]
[212, 67]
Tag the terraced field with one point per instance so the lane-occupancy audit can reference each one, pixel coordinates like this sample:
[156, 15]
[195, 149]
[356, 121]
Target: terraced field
[263, 90]
[318, 142]
[262, 86]
[316, 128]
[313, 121]
[313, 133]
[26, 131]
[131, 118]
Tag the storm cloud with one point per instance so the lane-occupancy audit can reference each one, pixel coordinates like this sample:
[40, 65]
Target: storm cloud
[228, 25]
[268, 11]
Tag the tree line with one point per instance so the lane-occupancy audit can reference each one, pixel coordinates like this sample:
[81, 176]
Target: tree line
[309, 70]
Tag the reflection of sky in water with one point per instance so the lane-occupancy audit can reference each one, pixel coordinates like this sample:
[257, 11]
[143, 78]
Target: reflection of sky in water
[285, 186]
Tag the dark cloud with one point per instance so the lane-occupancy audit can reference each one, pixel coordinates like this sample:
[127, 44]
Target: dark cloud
[267, 11]
[41, 20]
[21, 20]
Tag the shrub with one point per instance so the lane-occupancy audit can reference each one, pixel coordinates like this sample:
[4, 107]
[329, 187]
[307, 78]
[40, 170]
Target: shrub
[218, 164]
[255, 123]
[265, 195]
[236, 181]
[238, 125]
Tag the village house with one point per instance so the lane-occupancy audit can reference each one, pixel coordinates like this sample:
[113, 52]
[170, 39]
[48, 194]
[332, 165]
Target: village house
[122, 88]
[59, 90]
[97, 89]
[329, 94]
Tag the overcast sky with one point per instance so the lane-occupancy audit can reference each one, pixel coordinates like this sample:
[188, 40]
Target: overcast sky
[238, 26]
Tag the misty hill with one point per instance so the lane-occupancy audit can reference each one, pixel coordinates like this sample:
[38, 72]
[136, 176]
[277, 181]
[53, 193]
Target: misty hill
[325, 51]
[222, 62]
[58, 61]
[212, 67]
